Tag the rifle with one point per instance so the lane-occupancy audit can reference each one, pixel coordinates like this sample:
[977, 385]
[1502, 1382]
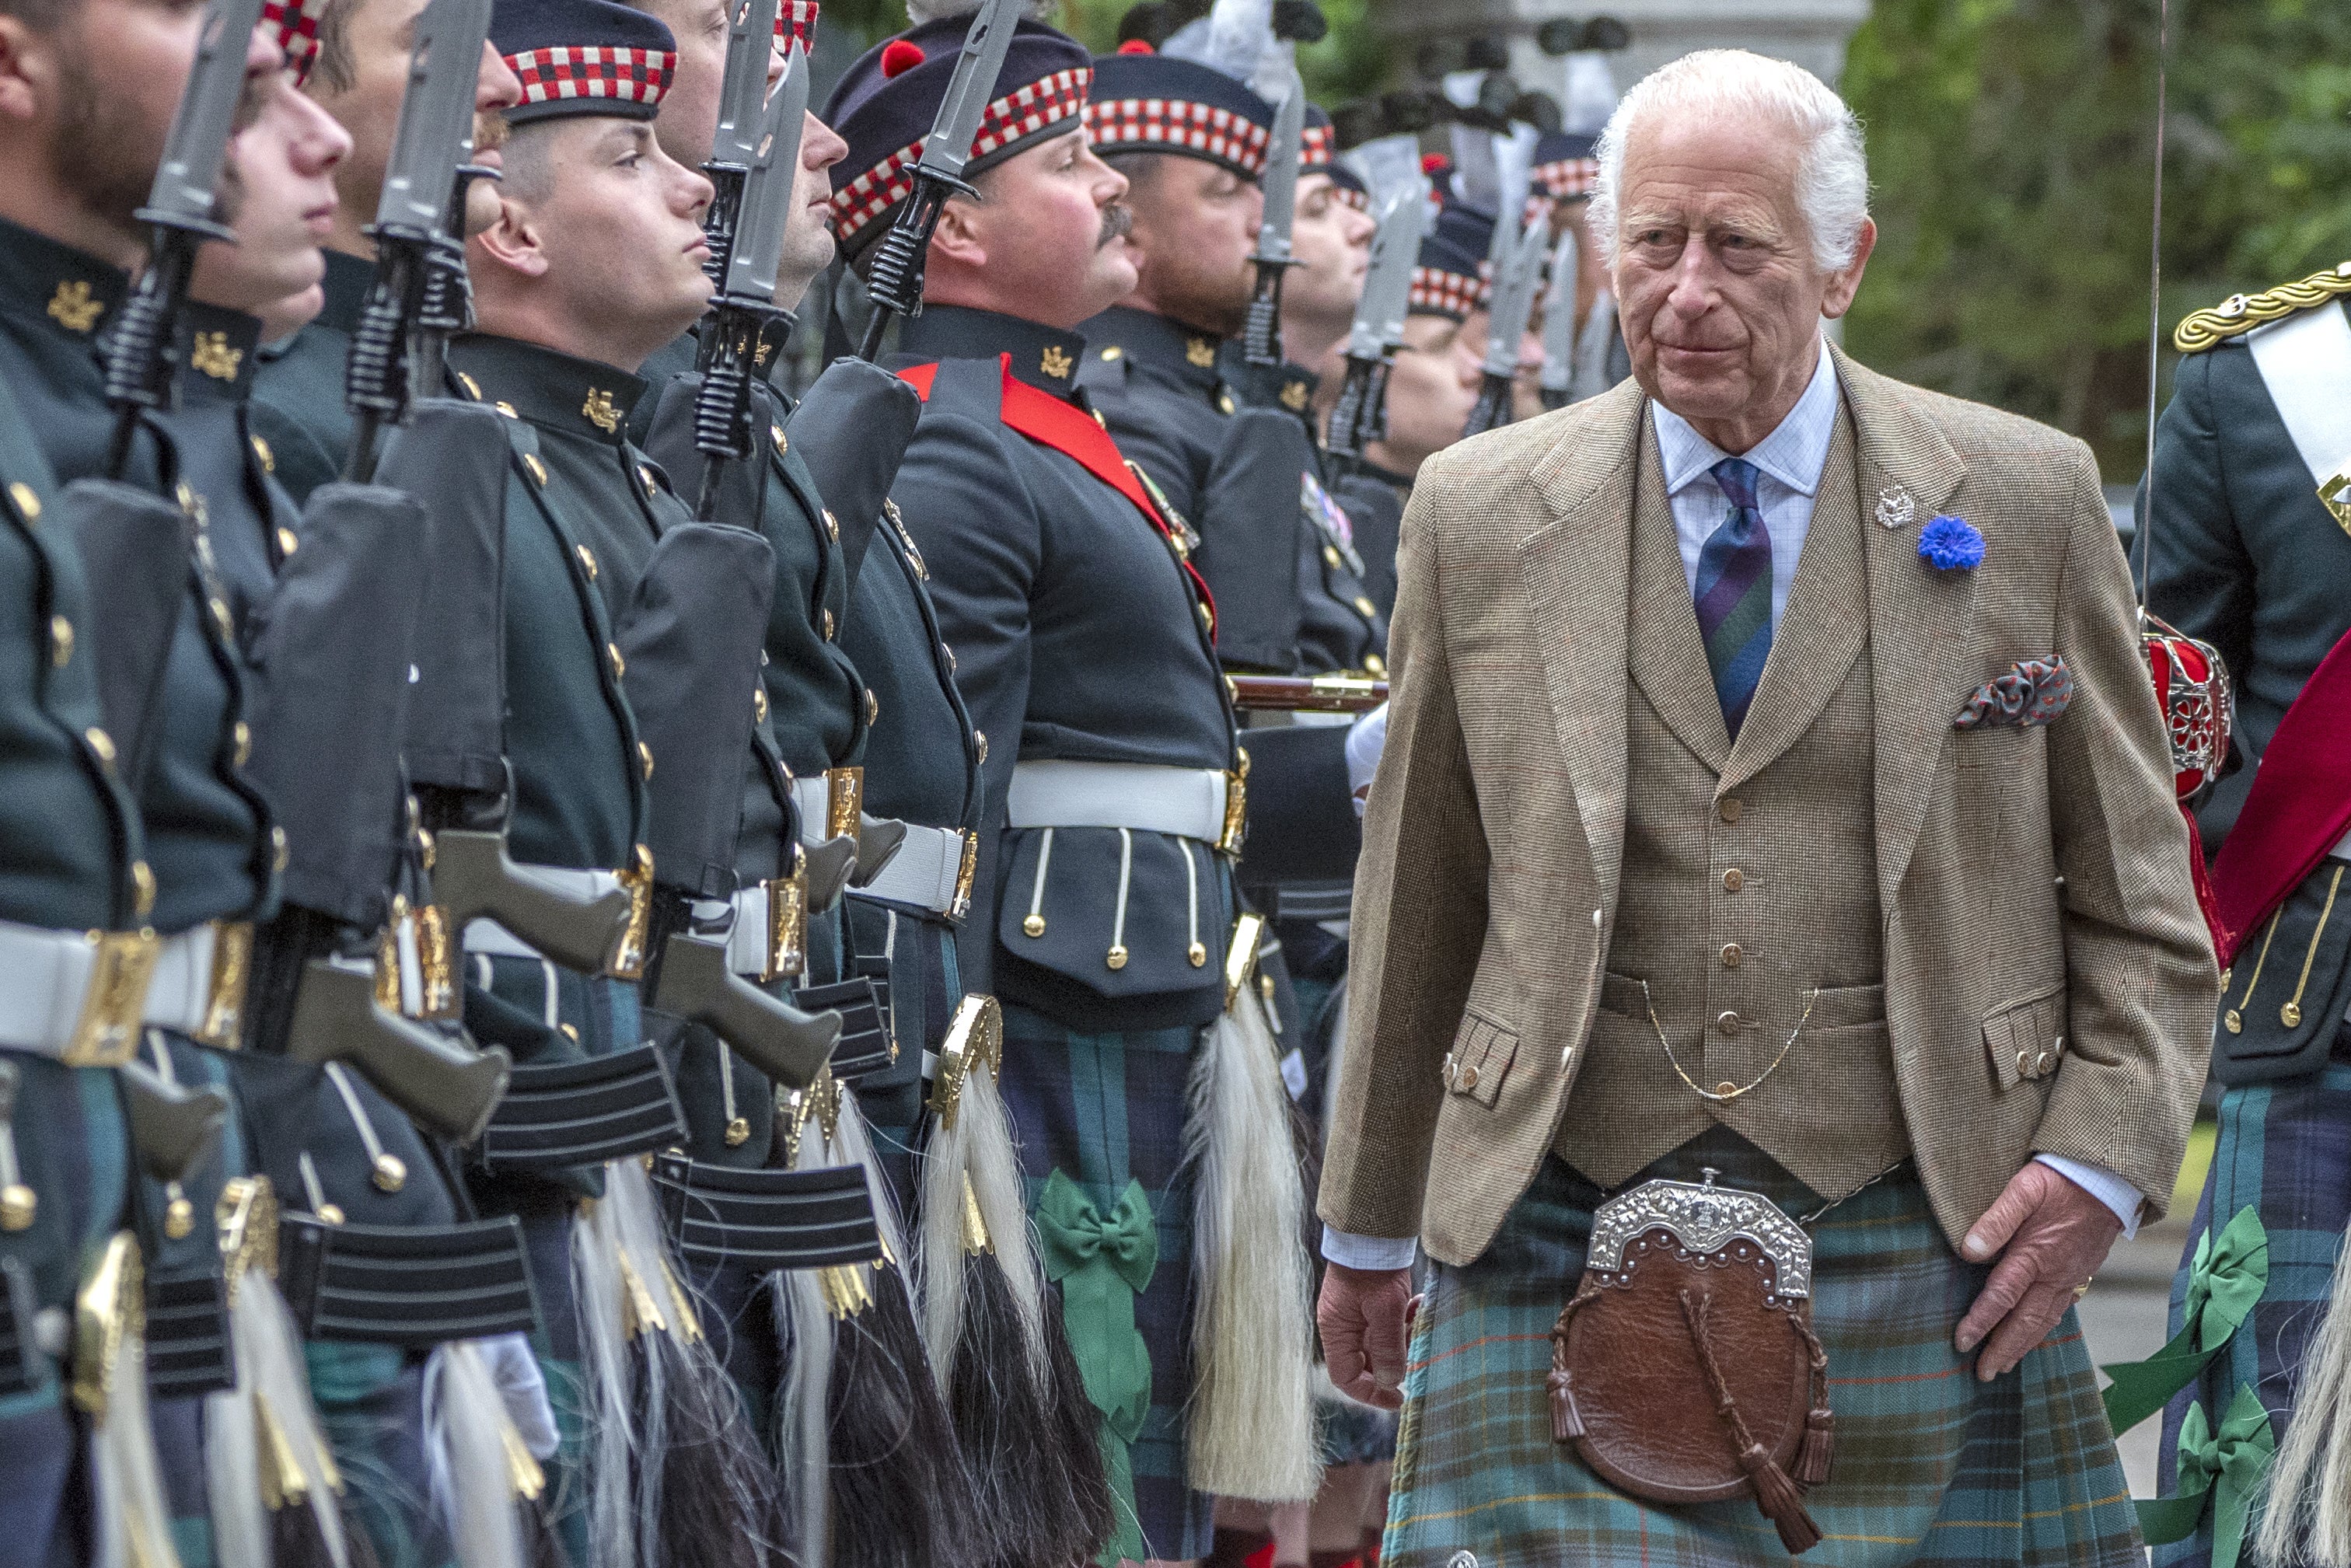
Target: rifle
[143, 360]
[895, 283]
[1516, 279]
[419, 229]
[767, 152]
[742, 96]
[1360, 415]
[1262, 337]
[1307, 693]
[1559, 323]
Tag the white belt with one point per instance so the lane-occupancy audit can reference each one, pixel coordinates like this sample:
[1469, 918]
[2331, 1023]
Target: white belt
[490, 939]
[1187, 801]
[928, 871]
[813, 799]
[750, 941]
[82, 996]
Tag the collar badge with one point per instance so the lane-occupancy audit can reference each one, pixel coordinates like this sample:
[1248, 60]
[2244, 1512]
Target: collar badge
[1199, 351]
[600, 411]
[1056, 364]
[1293, 396]
[211, 354]
[73, 308]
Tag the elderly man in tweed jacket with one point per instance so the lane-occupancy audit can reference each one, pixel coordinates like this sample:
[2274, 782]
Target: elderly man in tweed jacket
[1774, 786]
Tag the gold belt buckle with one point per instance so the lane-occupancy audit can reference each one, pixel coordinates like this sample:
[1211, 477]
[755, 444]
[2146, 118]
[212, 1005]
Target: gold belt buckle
[629, 953]
[966, 871]
[114, 1005]
[845, 800]
[1236, 808]
[224, 1022]
[786, 946]
[436, 954]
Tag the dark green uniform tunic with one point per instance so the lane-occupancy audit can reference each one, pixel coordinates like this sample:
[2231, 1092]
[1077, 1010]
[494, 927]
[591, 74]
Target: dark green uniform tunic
[1078, 635]
[70, 844]
[298, 410]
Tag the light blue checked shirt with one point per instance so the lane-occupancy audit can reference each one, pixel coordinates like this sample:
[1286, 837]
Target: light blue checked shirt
[1791, 459]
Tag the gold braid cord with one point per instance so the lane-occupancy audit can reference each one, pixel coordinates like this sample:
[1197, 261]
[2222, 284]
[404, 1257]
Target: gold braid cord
[2241, 313]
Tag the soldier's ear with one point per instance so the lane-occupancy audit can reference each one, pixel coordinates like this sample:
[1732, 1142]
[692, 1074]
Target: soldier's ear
[27, 69]
[959, 237]
[515, 243]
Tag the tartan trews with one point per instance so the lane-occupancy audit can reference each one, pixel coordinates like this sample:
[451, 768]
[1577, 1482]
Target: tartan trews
[1931, 1467]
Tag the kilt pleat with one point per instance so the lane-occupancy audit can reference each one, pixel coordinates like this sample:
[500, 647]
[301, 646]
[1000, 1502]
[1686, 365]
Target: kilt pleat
[1931, 1467]
[1104, 1109]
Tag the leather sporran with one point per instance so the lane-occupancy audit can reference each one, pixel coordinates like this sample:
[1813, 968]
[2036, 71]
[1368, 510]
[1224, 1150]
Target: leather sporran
[1685, 1369]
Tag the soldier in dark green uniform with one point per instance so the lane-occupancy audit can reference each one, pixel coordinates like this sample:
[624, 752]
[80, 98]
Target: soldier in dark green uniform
[1103, 896]
[2246, 540]
[357, 72]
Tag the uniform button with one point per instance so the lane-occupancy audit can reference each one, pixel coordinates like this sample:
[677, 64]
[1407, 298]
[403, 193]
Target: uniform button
[505, 408]
[287, 541]
[1730, 810]
[776, 434]
[142, 889]
[619, 666]
[268, 458]
[1112, 352]
[61, 640]
[759, 705]
[18, 1205]
[241, 737]
[645, 755]
[538, 469]
[872, 707]
[951, 658]
[100, 743]
[1732, 956]
[280, 853]
[1728, 1022]
[1331, 555]
[646, 477]
[1364, 605]
[827, 625]
[27, 501]
[1374, 666]
[586, 560]
[831, 525]
[979, 742]
[1733, 879]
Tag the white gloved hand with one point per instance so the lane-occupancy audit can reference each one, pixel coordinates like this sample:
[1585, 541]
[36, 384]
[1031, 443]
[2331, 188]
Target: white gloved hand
[1366, 741]
[524, 1391]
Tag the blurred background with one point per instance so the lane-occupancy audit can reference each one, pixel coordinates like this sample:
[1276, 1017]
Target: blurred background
[2011, 145]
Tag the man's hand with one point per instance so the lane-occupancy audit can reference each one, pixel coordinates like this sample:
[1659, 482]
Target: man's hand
[2054, 1235]
[1361, 1316]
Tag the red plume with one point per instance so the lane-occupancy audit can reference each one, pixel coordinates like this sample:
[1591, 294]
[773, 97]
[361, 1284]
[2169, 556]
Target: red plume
[1431, 163]
[898, 57]
[1137, 46]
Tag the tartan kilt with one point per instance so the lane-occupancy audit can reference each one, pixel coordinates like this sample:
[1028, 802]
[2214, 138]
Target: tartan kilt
[2285, 1148]
[1104, 1109]
[1931, 1467]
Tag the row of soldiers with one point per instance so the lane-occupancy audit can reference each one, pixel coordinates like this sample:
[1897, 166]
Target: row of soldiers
[536, 1026]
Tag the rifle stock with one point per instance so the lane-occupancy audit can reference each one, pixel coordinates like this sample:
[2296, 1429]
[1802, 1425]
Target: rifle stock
[447, 1088]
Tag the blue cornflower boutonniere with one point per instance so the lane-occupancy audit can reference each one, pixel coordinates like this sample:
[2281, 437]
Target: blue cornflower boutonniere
[1952, 544]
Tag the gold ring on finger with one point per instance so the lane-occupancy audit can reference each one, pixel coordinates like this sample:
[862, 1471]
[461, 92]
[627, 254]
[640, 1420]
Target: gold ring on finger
[2083, 1288]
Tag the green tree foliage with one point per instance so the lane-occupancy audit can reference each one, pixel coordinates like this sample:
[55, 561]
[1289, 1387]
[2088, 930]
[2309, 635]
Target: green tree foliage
[2011, 147]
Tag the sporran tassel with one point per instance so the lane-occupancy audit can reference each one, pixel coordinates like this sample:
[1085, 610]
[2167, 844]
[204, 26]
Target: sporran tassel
[1814, 1454]
[134, 1528]
[803, 1406]
[1251, 1431]
[606, 1383]
[1781, 1503]
[474, 1486]
[299, 1483]
[1566, 1420]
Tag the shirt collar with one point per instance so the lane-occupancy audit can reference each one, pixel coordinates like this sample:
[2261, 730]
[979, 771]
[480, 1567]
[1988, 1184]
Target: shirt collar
[1794, 454]
[553, 391]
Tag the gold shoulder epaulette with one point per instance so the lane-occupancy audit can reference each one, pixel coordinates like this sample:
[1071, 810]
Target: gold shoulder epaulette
[2241, 313]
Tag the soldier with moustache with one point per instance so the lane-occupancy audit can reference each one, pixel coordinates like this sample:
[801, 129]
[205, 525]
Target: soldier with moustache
[1103, 896]
[2245, 541]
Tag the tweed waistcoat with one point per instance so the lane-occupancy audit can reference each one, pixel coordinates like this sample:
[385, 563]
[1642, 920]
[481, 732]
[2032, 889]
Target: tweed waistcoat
[1750, 886]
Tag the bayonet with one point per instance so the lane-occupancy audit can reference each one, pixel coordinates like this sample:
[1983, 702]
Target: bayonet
[742, 122]
[419, 222]
[143, 358]
[1360, 415]
[1261, 338]
[894, 283]
[743, 313]
[1515, 282]
[1559, 323]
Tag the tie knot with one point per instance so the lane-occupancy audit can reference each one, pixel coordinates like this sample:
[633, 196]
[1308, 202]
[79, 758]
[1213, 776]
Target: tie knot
[1737, 476]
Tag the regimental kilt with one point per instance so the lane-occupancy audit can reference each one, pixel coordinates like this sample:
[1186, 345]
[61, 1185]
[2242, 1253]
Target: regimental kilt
[2284, 1149]
[1106, 1109]
[1931, 1466]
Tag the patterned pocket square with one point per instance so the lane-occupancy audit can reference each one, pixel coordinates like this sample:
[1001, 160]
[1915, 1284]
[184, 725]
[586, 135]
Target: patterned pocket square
[2033, 692]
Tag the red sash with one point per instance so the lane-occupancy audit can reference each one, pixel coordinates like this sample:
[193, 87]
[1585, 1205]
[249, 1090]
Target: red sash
[2299, 807]
[1049, 421]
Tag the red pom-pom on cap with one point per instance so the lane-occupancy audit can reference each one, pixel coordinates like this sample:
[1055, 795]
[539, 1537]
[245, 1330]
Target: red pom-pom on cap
[1430, 162]
[1137, 46]
[899, 56]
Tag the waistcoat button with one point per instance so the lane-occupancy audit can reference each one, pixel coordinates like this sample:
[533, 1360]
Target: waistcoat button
[1733, 879]
[1728, 1022]
[1732, 955]
[1730, 810]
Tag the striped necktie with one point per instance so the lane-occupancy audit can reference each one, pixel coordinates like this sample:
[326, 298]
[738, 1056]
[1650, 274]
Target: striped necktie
[1734, 593]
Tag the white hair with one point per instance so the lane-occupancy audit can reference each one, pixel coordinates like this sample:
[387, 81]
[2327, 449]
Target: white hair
[1831, 172]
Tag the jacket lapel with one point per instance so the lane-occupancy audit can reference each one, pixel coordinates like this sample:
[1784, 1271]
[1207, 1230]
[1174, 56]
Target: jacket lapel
[1666, 659]
[1822, 630]
[1577, 571]
[1921, 620]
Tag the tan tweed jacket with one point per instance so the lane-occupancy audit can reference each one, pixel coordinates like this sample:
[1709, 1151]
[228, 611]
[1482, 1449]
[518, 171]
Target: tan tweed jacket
[2028, 879]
